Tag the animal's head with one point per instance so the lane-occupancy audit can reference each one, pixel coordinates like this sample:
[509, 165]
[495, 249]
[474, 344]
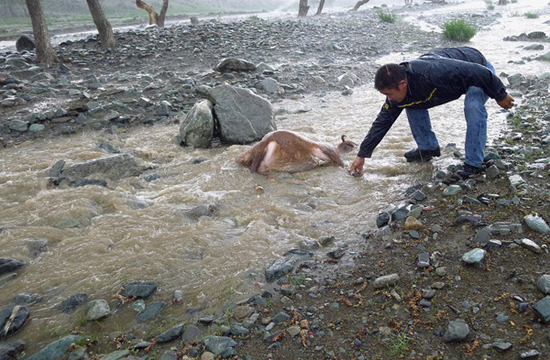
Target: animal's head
[346, 146]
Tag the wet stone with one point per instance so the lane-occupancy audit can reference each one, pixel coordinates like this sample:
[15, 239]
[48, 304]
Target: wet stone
[150, 311]
[543, 284]
[72, 302]
[56, 349]
[12, 319]
[97, 310]
[10, 265]
[116, 355]
[171, 334]
[191, 334]
[139, 289]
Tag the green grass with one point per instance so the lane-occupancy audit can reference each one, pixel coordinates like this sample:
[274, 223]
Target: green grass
[400, 344]
[386, 17]
[458, 30]
[530, 15]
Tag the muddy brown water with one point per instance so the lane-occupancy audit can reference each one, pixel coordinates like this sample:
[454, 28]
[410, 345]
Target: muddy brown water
[103, 237]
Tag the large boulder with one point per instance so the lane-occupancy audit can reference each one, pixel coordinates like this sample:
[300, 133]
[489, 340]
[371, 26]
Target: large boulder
[197, 129]
[243, 116]
[113, 168]
[25, 42]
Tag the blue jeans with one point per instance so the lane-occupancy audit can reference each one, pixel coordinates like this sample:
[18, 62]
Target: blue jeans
[476, 125]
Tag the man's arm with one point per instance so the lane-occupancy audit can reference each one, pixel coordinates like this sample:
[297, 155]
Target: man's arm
[379, 128]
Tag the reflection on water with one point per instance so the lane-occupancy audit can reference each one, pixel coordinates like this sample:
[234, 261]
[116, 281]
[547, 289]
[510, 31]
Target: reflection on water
[100, 238]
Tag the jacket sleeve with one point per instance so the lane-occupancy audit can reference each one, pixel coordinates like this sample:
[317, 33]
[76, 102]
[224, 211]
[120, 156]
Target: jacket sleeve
[379, 128]
[465, 74]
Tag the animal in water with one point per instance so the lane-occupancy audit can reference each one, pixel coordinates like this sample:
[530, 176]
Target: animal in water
[287, 151]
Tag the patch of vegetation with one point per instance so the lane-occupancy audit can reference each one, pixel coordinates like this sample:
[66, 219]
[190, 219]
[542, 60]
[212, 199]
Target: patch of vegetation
[530, 15]
[458, 30]
[386, 17]
[400, 344]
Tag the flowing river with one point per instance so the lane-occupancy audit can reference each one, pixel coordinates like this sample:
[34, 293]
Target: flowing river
[99, 238]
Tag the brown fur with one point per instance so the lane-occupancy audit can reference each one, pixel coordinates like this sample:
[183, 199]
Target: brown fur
[287, 151]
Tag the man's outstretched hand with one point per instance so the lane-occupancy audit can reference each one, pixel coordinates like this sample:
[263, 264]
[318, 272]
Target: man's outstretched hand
[356, 169]
[507, 103]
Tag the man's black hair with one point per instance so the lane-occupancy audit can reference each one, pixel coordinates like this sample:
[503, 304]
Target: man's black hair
[388, 76]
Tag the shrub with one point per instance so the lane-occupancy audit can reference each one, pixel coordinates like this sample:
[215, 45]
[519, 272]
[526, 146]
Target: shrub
[386, 17]
[458, 30]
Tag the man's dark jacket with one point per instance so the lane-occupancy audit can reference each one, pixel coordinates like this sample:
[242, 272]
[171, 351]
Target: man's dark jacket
[436, 78]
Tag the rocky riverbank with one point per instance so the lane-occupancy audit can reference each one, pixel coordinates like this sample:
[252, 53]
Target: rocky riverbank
[457, 270]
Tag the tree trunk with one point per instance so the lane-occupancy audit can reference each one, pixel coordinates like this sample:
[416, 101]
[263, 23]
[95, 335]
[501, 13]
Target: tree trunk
[162, 14]
[153, 16]
[320, 8]
[359, 4]
[502, 2]
[304, 8]
[103, 26]
[45, 53]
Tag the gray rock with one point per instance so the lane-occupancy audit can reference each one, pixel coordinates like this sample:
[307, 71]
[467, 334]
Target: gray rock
[10, 265]
[286, 264]
[114, 168]
[501, 345]
[234, 64]
[116, 355]
[268, 85]
[72, 302]
[531, 245]
[11, 350]
[169, 355]
[197, 129]
[542, 308]
[482, 236]
[191, 334]
[12, 319]
[150, 311]
[139, 289]
[199, 211]
[243, 116]
[452, 190]
[457, 331]
[543, 284]
[55, 350]
[18, 125]
[218, 345]
[97, 310]
[384, 281]
[474, 256]
[281, 317]
[529, 354]
[171, 334]
[25, 42]
[536, 223]
[238, 330]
